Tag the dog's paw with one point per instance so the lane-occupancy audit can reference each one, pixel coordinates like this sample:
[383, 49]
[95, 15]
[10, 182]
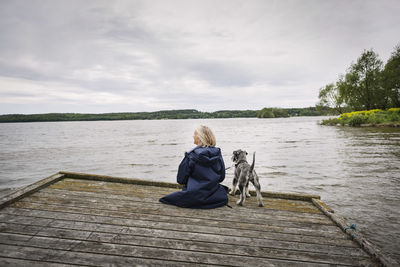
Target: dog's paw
[248, 195]
[240, 203]
[260, 204]
[233, 192]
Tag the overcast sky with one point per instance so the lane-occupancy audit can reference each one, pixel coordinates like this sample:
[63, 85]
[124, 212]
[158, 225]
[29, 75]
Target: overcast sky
[123, 56]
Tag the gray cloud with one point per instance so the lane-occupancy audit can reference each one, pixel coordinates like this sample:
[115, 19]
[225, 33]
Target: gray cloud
[102, 56]
[220, 74]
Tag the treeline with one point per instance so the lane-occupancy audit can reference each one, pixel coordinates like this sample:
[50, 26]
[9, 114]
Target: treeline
[158, 115]
[287, 112]
[367, 85]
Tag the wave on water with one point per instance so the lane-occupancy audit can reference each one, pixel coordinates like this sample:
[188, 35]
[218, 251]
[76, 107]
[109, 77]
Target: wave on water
[141, 164]
[169, 144]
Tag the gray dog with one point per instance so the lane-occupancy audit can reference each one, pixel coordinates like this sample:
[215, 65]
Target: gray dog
[244, 173]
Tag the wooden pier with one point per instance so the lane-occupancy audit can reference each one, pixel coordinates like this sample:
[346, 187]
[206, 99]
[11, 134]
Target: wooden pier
[91, 220]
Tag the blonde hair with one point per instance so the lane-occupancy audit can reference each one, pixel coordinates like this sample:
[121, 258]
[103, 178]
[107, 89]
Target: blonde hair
[206, 136]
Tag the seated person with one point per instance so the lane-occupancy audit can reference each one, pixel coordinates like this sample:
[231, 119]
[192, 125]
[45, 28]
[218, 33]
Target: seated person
[200, 173]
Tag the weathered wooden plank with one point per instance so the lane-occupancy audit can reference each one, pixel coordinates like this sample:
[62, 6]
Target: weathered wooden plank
[268, 226]
[80, 258]
[134, 252]
[263, 241]
[156, 192]
[23, 192]
[281, 204]
[237, 211]
[237, 249]
[173, 185]
[124, 216]
[5, 262]
[171, 234]
[122, 186]
[107, 204]
[119, 180]
[187, 240]
[266, 231]
[116, 188]
[119, 243]
[301, 206]
[149, 191]
[152, 193]
[44, 230]
[106, 198]
[179, 226]
[370, 248]
[23, 240]
[7, 217]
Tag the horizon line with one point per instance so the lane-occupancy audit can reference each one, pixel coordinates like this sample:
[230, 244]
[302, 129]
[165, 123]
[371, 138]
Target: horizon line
[163, 110]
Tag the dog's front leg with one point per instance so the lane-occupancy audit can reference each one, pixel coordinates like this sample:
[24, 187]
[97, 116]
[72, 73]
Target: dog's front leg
[242, 198]
[242, 188]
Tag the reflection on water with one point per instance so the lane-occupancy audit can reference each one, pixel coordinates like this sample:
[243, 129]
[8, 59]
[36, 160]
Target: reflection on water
[355, 170]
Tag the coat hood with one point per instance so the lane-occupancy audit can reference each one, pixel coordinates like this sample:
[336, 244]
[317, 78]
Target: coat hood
[206, 155]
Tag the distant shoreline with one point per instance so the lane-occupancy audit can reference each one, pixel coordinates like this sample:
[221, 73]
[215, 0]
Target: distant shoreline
[157, 115]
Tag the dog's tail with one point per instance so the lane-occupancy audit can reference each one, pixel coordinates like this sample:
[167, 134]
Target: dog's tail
[254, 162]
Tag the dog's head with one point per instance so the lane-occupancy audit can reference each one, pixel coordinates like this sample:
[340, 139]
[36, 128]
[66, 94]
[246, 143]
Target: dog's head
[239, 155]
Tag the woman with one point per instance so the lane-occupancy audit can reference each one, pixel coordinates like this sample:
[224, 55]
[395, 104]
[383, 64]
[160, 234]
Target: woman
[200, 173]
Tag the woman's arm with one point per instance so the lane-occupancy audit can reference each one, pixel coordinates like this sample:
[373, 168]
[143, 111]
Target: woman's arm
[184, 170]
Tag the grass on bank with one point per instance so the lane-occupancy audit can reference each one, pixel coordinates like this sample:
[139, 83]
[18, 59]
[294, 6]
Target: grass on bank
[367, 117]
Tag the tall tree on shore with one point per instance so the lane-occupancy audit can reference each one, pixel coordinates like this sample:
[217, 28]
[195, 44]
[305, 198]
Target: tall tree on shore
[362, 87]
[330, 97]
[366, 85]
[391, 78]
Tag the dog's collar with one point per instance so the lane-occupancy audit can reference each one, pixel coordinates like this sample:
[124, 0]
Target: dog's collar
[240, 161]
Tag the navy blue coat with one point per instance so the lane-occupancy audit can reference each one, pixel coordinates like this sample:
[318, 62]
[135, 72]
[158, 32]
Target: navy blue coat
[200, 173]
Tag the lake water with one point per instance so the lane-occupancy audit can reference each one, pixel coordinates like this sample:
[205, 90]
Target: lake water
[356, 171]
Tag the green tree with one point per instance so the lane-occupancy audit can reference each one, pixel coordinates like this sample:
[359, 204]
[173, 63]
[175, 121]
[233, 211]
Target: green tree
[280, 113]
[362, 86]
[331, 98]
[391, 78]
[265, 113]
